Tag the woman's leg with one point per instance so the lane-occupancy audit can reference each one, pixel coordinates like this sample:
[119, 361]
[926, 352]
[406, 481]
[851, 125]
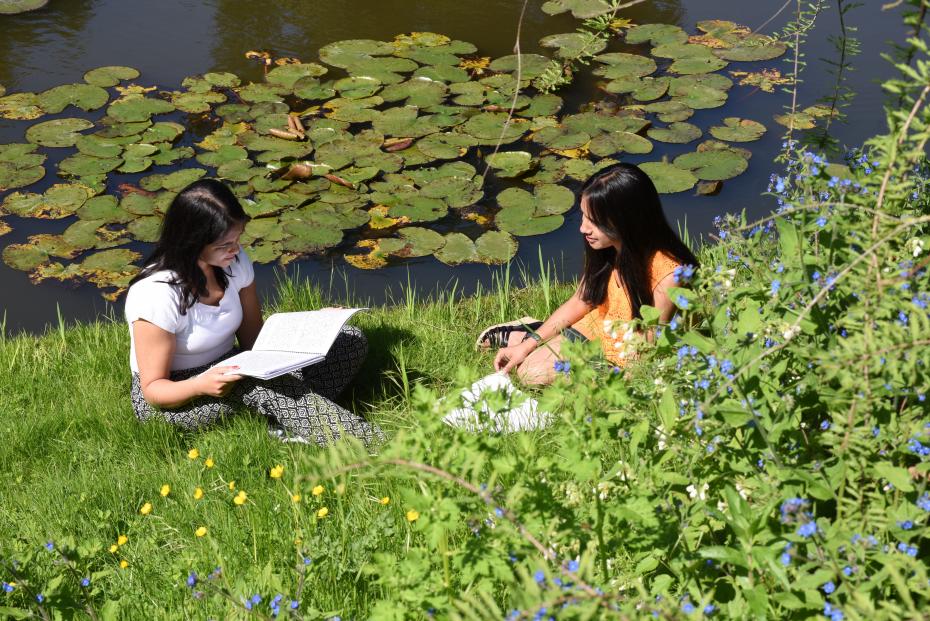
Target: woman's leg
[330, 377]
[303, 413]
[194, 414]
[539, 366]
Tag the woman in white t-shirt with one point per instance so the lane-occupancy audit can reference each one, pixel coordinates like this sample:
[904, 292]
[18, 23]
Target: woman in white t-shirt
[191, 303]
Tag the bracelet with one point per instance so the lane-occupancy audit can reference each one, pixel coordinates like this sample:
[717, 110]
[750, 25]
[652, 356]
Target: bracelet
[535, 336]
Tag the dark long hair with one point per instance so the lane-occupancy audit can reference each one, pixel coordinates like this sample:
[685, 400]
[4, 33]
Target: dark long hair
[199, 215]
[623, 202]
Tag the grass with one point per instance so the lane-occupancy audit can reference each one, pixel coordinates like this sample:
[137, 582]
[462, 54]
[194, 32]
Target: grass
[77, 466]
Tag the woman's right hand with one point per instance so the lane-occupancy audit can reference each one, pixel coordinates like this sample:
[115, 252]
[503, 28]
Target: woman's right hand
[509, 357]
[215, 383]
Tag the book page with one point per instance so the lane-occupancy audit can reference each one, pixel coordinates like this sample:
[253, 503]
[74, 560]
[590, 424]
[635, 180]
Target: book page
[309, 332]
[268, 364]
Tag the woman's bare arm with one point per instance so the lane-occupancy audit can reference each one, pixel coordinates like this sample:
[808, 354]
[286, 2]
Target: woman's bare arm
[251, 317]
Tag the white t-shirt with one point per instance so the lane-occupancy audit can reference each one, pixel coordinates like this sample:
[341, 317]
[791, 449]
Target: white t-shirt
[205, 332]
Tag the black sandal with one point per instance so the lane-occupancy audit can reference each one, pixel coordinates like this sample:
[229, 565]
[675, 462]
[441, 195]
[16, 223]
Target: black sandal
[498, 335]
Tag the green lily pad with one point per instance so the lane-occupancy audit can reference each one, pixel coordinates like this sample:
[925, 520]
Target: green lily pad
[495, 247]
[681, 50]
[420, 209]
[167, 156]
[701, 98]
[82, 165]
[442, 73]
[288, 75]
[619, 65]
[110, 76]
[344, 54]
[796, 120]
[59, 201]
[712, 165]
[657, 34]
[313, 90]
[96, 146]
[138, 204]
[21, 153]
[489, 127]
[738, 130]
[457, 249]
[12, 176]
[84, 96]
[520, 220]
[571, 45]
[123, 133]
[12, 7]
[259, 93]
[546, 200]
[420, 92]
[354, 110]
[690, 66]
[545, 104]
[531, 65]
[670, 111]
[110, 268]
[510, 163]
[668, 178]
[357, 87]
[753, 51]
[581, 9]
[682, 85]
[224, 154]
[180, 179]
[446, 146]
[54, 245]
[651, 89]
[609, 144]
[57, 133]
[456, 191]
[715, 145]
[419, 242]
[675, 133]
[20, 107]
[105, 208]
[24, 257]
[194, 103]
[134, 108]
[222, 79]
[264, 252]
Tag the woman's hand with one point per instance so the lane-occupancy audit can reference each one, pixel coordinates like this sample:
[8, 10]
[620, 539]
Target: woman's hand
[215, 382]
[509, 357]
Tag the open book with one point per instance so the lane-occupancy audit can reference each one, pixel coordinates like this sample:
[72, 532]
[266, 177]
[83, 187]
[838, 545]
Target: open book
[290, 341]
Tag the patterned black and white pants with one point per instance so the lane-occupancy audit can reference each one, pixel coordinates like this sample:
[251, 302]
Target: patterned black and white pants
[300, 402]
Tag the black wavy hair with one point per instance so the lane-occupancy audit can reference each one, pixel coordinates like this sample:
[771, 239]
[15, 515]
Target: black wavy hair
[199, 215]
[623, 202]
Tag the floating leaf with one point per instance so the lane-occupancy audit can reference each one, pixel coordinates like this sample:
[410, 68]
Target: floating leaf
[138, 204]
[81, 165]
[542, 105]
[345, 54]
[495, 247]
[20, 107]
[180, 179]
[650, 89]
[581, 9]
[764, 49]
[420, 92]
[531, 65]
[657, 34]
[675, 133]
[709, 188]
[510, 163]
[670, 111]
[712, 165]
[571, 45]
[681, 50]
[700, 97]
[12, 7]
[57, 133]
[489, 127]
[420, 209]
[796, 120]
[622, 66]
[59, 201]
[261, 93]
[110, 76]
[84, 96]
[738, 130]
[419, 242]
[766, 79]
[196, 102]
[714, 145]
[688, 66]
[457, 249]
[357, 87]
[24, 257]
[446, 146]
[54, 245]
[133, 108]
[668, 178]
[288, 75]
[222, 79]
[13, 177]
[608, 144]
[104, 208]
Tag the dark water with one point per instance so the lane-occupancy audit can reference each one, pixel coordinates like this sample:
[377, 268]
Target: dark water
[171, 39]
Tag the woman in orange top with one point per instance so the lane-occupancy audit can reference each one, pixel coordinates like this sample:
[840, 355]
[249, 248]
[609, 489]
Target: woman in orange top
[631, 256]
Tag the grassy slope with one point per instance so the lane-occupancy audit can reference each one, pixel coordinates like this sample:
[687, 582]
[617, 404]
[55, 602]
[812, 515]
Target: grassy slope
[75, 462]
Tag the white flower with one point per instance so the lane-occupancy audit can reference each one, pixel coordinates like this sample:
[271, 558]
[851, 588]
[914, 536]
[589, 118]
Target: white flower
[657, 381]
[660, 434]
[722, 506]
[916, 246]
[742, 491]
[693, 492]
[791, 332]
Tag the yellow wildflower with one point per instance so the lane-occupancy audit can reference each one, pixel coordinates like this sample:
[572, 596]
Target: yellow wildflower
[232, 485]
[123, 564]
[121, 540]
[316, 491]
[198, 493]
[165, 489]
[413, 515]
[322, 513]
[295, 498]
[114, 548]
[146, 508]
[193, 453]
[208, 462]
[240, 498]
[276, 472]
[385, 500]
[200, 532]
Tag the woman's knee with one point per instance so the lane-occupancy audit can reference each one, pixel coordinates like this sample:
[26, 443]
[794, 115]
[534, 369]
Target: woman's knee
[353, 341]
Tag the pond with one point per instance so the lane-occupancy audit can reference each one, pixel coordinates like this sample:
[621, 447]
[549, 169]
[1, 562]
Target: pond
[170, 40]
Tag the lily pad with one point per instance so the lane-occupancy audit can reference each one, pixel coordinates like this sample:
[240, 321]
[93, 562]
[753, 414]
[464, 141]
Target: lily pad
[690, 66]
[489, 127]
[344, 54]
[420, 92]
[620, 65]
[495, 247]
[520, 220]
[357, 87]
[715, 145]
[420, 209]
[651, 89]
[675, 133]
[289, 75]
[110, 76]
[180, 179]
[419, 242]
[510, 163]
[748, 51]
[545, 104]
[24, 257]
[57, 133]
[458, 249]
[581, 9]
[12, 7]
[701, 98]
[670, 111]
[104, 208]
[712, 165]
[571, 45]
[377, 255]
[138, 204]
[531, 65]
[82, 165]
[134, 108]
[681, 50]
[738, 130]
[446, 146]
[657, 34]
[87, 97]
[222, 79]
[193, 102]
[20, 107]
[609, 144]
[668, 178]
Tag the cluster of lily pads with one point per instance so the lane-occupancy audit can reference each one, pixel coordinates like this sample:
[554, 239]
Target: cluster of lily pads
[380, 151]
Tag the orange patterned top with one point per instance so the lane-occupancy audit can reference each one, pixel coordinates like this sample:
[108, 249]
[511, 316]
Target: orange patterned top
[616, 307]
